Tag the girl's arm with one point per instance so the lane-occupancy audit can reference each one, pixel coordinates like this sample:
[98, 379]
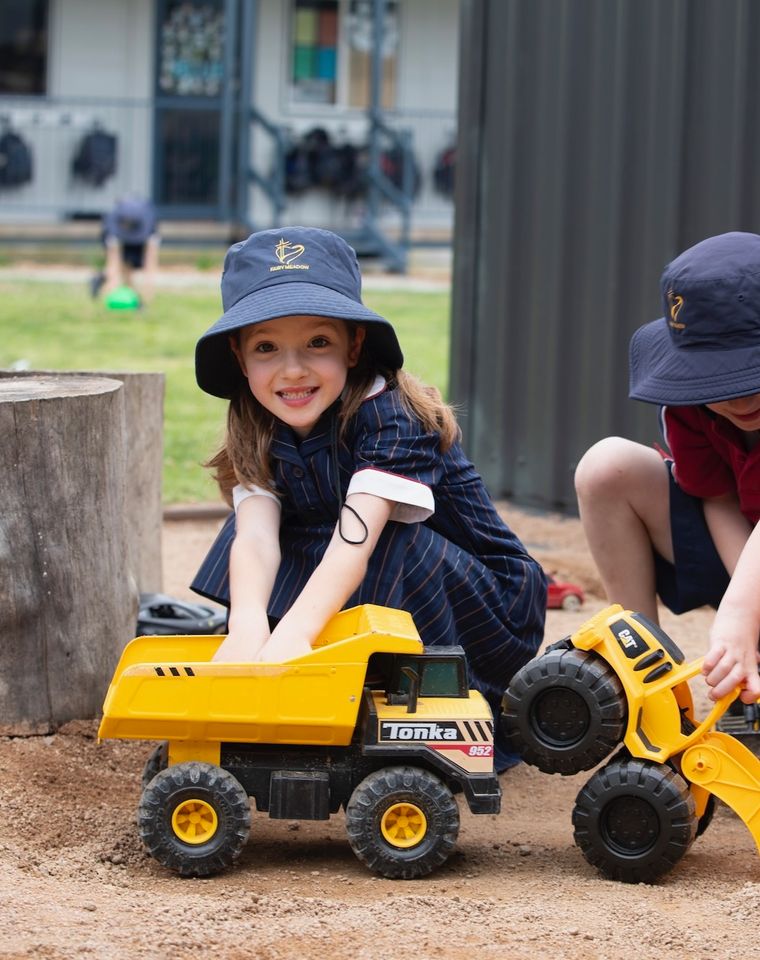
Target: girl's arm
[732, 658]
[254, 561]
[338, 574]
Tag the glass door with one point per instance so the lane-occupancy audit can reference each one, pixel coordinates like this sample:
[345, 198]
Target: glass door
[192, 123]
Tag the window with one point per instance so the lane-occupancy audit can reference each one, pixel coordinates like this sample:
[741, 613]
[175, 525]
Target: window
[23, 46]
[360, 42]
[191, 49]
[441, 674]
[332, 43]
[315, 51]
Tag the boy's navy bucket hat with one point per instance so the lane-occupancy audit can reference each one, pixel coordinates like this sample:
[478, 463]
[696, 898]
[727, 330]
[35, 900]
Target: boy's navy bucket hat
[133, 220]
[287, 272]
[707, 346]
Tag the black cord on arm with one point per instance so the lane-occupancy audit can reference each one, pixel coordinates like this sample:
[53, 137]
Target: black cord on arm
[338, 491]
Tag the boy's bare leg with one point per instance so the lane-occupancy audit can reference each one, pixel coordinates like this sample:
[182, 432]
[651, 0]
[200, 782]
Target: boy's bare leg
[150, 268]
[624, 504]
[113, 266]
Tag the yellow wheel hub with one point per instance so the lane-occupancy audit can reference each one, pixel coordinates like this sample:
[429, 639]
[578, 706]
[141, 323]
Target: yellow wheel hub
[194, 821]
[403, 825]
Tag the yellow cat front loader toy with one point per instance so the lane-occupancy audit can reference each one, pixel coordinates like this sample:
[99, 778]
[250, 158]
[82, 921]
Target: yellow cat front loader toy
[621, 682]
[369, 720]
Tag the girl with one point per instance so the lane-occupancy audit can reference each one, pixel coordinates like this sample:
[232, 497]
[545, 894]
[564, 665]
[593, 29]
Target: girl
[347, 478]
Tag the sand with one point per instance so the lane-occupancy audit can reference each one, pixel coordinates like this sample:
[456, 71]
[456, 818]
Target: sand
[75, 881]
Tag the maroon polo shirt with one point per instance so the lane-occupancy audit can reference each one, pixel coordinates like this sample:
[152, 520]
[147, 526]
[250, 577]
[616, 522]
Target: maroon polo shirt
[710, 457]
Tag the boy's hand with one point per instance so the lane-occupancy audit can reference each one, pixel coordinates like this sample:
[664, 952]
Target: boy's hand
[732, 662]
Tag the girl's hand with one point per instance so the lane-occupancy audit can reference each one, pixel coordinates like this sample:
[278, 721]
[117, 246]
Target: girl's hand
[248, 634]
[283, 646]
[732, 662]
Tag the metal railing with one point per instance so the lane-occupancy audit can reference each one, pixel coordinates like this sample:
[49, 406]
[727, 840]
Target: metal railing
[53, 128]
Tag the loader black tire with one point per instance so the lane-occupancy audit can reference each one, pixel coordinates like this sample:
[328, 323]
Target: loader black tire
[194, 818]
[565, 711]
[634, 820]
[706, 819]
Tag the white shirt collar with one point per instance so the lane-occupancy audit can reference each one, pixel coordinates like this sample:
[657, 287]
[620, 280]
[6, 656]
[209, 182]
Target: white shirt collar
[379, 384]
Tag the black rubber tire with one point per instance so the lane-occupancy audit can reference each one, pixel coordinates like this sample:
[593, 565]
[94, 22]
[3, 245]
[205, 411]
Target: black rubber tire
[378, 794]
[214, 788]
[565, 711]
[706, 819]
[571, 602]
[156, 762]
[634, 820]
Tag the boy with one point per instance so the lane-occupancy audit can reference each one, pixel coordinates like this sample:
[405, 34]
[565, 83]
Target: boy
[686, 529]
[131, 241]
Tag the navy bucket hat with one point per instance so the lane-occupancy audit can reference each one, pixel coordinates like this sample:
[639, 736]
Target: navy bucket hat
[132, 220]
[287, 272]
[707, 346]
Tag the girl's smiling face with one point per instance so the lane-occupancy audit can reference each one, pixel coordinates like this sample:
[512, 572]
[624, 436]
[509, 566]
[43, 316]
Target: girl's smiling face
[743, 412]
[297, 366]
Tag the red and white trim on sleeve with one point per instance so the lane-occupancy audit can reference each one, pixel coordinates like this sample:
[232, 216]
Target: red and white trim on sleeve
[240, 493]
[414, 500]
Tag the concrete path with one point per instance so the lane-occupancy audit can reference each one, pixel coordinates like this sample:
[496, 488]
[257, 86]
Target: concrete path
[429, 271]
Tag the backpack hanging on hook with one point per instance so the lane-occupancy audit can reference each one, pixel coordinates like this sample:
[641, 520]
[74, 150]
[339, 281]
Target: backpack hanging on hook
[444, 171]
[16, 165]
[95, 159]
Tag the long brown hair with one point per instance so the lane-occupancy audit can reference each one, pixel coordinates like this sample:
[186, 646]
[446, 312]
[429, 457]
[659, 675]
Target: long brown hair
[244, 455]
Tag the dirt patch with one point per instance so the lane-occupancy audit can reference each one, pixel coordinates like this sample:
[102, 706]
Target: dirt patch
[75, 882]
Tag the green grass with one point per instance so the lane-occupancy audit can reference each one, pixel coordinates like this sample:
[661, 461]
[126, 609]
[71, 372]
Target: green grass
[58, 327]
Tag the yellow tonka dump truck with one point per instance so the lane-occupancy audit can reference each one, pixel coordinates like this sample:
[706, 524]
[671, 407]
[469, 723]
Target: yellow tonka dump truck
[369, 720]
[621, 682]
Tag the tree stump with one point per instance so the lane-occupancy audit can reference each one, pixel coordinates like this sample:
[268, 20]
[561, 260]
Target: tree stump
[144, 418]
[66, 605]
[144, 434]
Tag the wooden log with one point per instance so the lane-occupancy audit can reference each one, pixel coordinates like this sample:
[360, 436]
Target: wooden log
[66, 606]
[144, 419]
[144, 426]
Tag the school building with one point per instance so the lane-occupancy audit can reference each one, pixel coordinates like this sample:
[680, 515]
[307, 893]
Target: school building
[244, 113]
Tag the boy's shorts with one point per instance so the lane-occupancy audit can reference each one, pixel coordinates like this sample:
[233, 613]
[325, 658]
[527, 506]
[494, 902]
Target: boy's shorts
[133, 254]
[698, 577]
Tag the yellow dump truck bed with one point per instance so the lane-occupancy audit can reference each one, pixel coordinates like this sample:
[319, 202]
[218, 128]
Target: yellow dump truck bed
[167, 688]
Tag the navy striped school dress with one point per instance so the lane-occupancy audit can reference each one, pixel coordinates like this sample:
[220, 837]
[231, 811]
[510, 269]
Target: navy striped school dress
[445, 556]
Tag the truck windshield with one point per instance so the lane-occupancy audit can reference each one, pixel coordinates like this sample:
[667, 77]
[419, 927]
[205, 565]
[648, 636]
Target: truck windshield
[438, 677]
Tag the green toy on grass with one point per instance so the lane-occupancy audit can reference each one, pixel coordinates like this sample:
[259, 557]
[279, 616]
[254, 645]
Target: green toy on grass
[122, 298]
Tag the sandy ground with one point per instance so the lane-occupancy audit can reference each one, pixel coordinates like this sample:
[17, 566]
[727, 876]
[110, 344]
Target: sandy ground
[75, 882]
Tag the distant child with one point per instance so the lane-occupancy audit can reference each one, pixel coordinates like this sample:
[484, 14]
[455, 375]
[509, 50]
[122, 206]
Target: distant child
[131, 241]
[346, 474]
[686, 528]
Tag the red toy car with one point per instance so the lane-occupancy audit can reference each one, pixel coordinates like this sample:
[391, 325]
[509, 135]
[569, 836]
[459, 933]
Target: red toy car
[567, 596]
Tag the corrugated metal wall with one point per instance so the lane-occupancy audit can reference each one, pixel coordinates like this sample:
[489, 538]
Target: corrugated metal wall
[597, 139]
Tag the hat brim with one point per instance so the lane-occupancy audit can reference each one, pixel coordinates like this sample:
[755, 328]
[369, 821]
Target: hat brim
[662, 372]
[216, 368]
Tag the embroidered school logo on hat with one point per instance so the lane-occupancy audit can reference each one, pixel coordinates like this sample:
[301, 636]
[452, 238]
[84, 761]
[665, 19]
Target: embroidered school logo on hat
[675, 303]
[286, 252]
